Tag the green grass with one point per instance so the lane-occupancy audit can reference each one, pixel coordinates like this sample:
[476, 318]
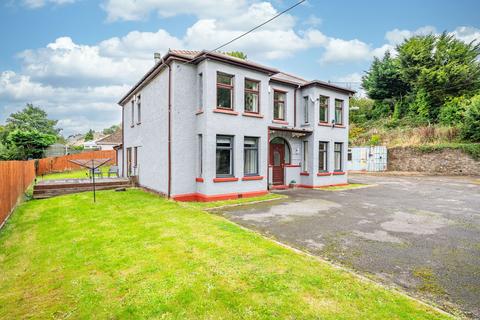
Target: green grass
[134, 255]
[344, 187]
[73, 174]
[473, 149]
[216, 204]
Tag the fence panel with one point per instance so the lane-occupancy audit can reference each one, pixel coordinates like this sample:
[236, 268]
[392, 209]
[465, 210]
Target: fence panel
[59, 164]
[15, 177]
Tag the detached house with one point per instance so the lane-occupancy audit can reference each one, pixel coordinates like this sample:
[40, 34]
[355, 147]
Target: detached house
[202, 126]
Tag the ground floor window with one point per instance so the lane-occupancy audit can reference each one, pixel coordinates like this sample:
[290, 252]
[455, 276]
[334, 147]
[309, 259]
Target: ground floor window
[322, 156]
[338, 156]
[224, 156]
[250, 164]
[129, 162]
[305, 155]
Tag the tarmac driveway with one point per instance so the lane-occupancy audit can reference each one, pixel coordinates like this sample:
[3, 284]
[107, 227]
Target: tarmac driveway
[421, 233]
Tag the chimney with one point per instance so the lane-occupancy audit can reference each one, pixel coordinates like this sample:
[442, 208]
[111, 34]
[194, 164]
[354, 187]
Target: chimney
[157, 57]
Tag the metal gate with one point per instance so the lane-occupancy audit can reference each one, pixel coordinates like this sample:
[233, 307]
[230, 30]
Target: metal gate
[367, 158]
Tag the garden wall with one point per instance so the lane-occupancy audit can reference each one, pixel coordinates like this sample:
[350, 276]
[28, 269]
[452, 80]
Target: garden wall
[15, 177]
[59, 164]
[444, 161]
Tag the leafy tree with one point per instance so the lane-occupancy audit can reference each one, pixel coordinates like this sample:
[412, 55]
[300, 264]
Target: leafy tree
[29, 143]
[89, 135]
[471, 126]
[453, 111]
[111, 129]
[237, 54]
[32, 118]
[383, 80]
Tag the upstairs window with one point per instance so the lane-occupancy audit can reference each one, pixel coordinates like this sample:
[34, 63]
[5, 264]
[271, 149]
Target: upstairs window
[139, 110]
[338, 112]
[200, 91]
[305, 110]
[338, 156]
[132, 122]
[323, 104]
[224, 156]
[279, 105]
[250, 164]
[323, 156]
[252, 90]
[224, 91]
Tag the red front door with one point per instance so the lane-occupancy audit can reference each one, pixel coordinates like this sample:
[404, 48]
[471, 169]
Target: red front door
[277, 160]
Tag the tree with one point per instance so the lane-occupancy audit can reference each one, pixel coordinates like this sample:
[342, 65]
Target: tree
[471, 126]
[29, 143]
[32, 118]
[237, 54]
[111, 129]
[89, 135]
[383, 80]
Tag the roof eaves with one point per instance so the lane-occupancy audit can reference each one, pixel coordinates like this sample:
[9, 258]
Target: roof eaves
[327, 85]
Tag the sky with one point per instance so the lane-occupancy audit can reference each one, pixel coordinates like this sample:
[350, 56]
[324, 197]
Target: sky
[77, 58]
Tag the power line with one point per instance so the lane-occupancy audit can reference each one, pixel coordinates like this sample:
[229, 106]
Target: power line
[253, 29]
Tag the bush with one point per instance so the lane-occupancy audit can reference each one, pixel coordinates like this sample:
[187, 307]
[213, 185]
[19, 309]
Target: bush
[453, 111]
[471, 125]
[374, 140]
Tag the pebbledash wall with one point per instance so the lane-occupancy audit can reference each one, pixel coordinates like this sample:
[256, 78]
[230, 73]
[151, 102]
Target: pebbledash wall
[150, 135]
[445, 161]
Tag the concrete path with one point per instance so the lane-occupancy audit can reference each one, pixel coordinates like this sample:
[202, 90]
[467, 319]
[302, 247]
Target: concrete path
[422, 233]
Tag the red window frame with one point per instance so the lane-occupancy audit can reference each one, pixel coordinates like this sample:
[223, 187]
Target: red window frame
[280, 101]
[226, 86]
[256, 92]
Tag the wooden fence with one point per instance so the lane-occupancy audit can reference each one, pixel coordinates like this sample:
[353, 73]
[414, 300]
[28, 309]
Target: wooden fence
[59, 164]
[15, 177]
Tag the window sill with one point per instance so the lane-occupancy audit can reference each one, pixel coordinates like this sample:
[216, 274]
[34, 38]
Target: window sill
[226, 111]
[304, 173]
[248, 178]
[338, 173]
[291, 165]
[280, 121]
[324, 124]
[251, 114]
[199, 112]
[323, 174]
[225, 179]
[199, 179]
[339, 126]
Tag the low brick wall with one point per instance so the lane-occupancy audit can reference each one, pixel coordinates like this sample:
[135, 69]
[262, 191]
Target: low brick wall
[446, 161]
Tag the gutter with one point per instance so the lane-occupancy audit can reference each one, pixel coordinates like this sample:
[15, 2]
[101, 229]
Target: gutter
[169, 162]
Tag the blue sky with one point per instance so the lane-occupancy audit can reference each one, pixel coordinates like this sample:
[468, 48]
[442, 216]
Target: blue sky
[75, 58]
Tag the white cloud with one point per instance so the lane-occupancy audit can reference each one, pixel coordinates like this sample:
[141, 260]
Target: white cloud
[467, 34]
[397, 36]
[34, 4]
[339, 50]
[138, 9]
[312, 21]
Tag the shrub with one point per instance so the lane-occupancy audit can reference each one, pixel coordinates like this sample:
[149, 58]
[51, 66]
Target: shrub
[471, 125]
[453, 111]
[374, 140]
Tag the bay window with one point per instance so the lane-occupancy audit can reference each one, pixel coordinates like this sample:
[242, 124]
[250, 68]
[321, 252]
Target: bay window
[224, 91]
[279, 105]
[252, 90]
[224, 156]
[323, 156]
[250, 164]
[338, 156]
[323, 105]
[338, 112]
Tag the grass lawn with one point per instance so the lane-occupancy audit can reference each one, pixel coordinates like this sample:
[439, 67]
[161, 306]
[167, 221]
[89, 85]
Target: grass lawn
[74, 174]
[135, 255]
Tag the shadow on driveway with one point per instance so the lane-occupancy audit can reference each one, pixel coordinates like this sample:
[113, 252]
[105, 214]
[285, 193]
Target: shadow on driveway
[421, 233]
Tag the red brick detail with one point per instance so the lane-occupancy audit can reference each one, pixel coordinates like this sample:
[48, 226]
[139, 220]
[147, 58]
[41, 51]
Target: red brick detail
[199, 197]
[338, 173]
[225, 179]
[321, 174]
[324, 186]
[279, 187]
[280, 121]
[226, 111]
[324, 124]
[251, 114]
[247, 178]
[199, 179]
[304, 173]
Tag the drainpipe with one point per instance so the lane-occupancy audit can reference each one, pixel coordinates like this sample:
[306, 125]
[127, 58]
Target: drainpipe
[123, 142]
[268, 158]
[295, 108]
[169, 192]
